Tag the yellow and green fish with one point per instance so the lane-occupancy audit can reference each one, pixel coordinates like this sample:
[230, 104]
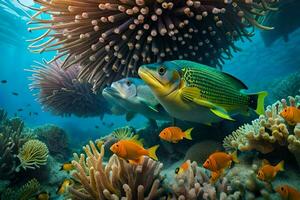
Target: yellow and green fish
[194, 92]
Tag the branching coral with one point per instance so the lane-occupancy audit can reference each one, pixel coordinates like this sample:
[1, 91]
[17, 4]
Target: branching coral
[56, 140]
[63, 94]
[111, 39]
[194, 184]
[26, 192]
[115, 180]
[33, 154]
[267, 132]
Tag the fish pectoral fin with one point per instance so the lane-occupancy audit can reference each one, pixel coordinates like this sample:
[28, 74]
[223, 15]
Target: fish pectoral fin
[190, 93]
[136, 161]
[129, 116]
[153, 108]
[221, 113]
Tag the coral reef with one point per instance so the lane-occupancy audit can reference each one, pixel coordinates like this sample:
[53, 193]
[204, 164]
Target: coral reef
[194, 184]
[63, 94]
[115, 180]
[110, 39]
[56, 140]
[267, 132]
[12, 138]
[26, 192]
[289, 84]
[33, 154]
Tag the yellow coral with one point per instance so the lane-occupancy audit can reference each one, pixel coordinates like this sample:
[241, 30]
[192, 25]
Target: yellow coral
[33, 154]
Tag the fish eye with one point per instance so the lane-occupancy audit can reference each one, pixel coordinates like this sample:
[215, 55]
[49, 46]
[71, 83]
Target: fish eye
[128, 82]
[161, 70]
[282, 189]
[117, 145]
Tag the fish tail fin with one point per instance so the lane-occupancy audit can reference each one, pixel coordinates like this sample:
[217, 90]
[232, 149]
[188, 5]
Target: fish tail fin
[235, 157]
[280, 166]
[152, 152]
[187, 133]
[256, 102]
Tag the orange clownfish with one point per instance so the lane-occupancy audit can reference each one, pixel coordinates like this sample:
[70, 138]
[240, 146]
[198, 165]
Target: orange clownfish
[291, 114]
[133, 150]
[183, 167]
[287, 192]
[268, 172]
[218, 162]
[175, 134]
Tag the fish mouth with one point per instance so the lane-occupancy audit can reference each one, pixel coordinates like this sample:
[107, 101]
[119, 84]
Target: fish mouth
[148, 77]
[110, 92]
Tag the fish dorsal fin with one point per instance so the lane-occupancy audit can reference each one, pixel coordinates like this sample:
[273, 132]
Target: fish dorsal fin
[135, 139]
[237, 81]
[265, 162]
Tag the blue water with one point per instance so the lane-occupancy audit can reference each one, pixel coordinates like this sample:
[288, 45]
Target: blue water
[256, 65]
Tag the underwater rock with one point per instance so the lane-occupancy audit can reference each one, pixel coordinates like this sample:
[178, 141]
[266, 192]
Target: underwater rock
[56, 140]
[33, 154]
[115, 180]
[268, 132]
[200, 151]
[289, 84]
[62, 93]
[111, 39]
[287, 9]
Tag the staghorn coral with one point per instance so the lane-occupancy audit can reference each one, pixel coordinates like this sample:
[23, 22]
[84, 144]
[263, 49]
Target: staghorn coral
[33, 154]
[115, 180]
[26, 192]
[111, 39]
[194, 184]
[267, 132]
[56, 140]
[63, 94]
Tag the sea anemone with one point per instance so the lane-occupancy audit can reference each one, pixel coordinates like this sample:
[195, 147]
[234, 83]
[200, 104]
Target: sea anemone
[111, 39]
[62, 93]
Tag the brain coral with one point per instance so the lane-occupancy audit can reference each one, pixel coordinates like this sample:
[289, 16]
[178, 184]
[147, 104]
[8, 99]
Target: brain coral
[111, 39]
[62, 93]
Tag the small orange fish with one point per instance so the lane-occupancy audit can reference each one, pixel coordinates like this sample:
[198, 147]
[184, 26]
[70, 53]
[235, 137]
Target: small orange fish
[268, 172]
[288, 193]
[218, 162]
[133, 150]
[67, 167]
[291, 114]
[64, 186]
[175, 134]
[183, 167]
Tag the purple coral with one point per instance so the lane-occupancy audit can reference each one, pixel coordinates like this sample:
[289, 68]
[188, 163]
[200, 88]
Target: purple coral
[63, 94]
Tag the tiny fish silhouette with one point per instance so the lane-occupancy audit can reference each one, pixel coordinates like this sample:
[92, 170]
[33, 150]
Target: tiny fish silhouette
[20, 109]
[15, 93]
[4, 81]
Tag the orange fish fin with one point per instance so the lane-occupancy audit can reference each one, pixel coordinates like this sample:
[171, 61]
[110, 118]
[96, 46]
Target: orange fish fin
[187, 133]
[265, 162]
[235, 157]
[152, 152]
[280, 166]
[214, 177]
[136, 161]
[136, 140]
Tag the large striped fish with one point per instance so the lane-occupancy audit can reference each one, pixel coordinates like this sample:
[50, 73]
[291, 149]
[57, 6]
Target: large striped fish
[198, 93]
